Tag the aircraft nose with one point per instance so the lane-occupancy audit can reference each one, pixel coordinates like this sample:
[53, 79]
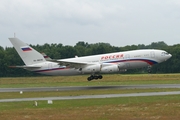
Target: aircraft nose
[170, 55]
[167, 56]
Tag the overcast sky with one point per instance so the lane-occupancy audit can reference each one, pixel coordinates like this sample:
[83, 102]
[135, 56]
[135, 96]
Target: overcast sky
[118, 22]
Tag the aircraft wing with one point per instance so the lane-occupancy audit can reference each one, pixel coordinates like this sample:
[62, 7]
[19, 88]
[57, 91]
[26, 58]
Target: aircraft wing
[72, 64]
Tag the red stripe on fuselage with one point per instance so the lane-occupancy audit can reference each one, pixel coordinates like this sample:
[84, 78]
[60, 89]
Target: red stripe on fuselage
[150, 62]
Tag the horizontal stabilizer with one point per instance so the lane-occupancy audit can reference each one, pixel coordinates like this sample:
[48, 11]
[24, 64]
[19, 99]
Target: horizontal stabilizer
[25, 67]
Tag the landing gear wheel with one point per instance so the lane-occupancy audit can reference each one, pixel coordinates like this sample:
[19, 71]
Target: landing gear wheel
[94, 77]
[89, 79]
[100, 76]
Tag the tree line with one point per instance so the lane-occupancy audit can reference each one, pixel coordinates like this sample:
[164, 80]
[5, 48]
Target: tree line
[9, 57]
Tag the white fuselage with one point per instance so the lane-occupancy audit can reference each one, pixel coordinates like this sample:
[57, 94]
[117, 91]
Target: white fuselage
[104, 63]
[94, 64]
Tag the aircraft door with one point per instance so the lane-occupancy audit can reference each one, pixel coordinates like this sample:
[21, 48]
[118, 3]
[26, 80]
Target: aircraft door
[127, 61]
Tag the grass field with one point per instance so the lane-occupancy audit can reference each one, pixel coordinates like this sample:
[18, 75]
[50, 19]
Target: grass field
[127, 108]
[117, 79]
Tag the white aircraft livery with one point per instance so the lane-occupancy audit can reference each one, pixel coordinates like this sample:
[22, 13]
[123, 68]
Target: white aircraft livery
[95, 65]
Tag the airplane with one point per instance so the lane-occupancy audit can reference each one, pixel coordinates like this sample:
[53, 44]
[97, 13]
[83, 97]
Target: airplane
[95, 65]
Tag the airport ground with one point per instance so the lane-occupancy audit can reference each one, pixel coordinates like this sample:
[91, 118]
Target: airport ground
[127, 108]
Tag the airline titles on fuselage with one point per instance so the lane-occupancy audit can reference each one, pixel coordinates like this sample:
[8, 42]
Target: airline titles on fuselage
[111, 57]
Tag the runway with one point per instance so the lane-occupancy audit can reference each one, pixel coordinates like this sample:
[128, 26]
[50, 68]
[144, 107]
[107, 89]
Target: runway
[40, 89]
[92, 96]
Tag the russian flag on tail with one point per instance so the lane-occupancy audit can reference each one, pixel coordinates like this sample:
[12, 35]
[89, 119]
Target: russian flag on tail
[26, 49]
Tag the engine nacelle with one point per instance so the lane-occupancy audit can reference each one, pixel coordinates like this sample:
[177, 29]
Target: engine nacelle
[91, 68]
[110, 69]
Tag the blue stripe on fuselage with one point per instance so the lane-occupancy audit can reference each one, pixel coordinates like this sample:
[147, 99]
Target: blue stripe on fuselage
[150, 62]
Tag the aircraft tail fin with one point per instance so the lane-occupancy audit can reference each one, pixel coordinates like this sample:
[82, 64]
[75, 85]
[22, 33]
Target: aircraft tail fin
[28, 54]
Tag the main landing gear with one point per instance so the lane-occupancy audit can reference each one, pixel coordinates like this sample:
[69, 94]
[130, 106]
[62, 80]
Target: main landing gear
[92, 77]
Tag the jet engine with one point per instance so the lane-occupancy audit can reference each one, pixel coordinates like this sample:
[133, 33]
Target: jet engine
[91, 68]
[110, 69]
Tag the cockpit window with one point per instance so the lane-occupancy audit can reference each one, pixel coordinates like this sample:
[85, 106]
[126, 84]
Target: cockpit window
[164, 53]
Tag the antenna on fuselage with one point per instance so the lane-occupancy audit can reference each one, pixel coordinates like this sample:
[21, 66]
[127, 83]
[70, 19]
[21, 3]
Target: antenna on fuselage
[14, 35]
